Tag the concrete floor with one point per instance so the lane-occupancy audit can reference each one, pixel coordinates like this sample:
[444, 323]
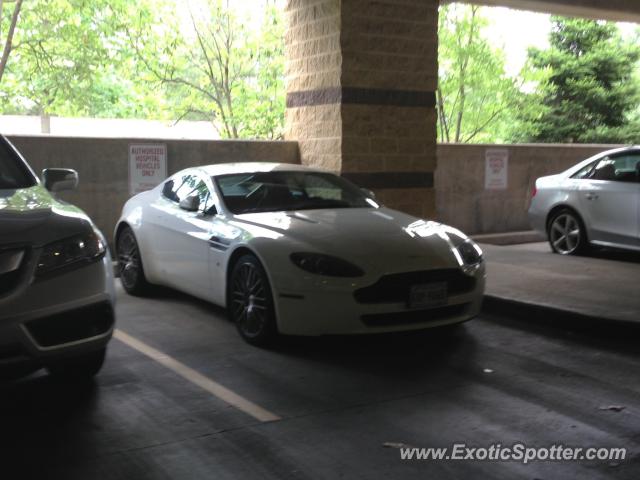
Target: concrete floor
[602, 283]
[340, 400]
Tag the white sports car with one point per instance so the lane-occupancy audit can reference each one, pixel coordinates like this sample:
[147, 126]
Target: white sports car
[295, 250]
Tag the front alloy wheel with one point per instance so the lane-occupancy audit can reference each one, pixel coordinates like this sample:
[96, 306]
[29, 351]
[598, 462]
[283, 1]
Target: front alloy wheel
[566, 234]
[250, 302]
[130, 264]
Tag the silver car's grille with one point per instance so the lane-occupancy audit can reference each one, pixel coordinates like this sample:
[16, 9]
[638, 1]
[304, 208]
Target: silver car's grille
[11, 263]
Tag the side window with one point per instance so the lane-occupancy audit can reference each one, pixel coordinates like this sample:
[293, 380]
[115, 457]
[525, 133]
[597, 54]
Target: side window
[182, 187]
[167, 191]
[622, 168]
[584, 171]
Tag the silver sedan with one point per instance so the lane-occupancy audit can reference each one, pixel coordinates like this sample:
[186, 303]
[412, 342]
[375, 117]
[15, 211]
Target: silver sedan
[596, 202]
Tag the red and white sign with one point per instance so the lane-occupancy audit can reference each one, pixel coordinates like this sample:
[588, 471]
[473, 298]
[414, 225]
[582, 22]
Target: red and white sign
[496, 169]
[147, 166]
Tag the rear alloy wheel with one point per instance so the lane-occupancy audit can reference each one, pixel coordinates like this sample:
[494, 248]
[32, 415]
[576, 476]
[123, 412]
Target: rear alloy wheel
[130, 264]
[566, 234]
[250, 302]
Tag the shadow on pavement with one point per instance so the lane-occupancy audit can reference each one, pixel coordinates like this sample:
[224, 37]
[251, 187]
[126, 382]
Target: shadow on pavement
[615, 255]
[409, 354]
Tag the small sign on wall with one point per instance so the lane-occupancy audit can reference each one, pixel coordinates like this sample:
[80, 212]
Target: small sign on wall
[147, 166]
[496, 169]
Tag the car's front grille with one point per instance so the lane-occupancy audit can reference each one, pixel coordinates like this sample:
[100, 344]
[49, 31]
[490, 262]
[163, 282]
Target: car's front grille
[414, 316]
[72, 326]
[12, 263]
[395, 288]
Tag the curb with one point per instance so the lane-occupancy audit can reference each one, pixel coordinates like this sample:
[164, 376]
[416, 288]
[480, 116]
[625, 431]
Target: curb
[553, 316]
[509, 238]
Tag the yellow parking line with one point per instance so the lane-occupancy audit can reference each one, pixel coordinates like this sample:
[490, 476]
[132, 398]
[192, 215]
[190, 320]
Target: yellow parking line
[214, 388]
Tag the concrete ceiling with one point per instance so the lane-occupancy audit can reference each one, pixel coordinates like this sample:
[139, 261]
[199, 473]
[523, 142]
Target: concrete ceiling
[617, 10]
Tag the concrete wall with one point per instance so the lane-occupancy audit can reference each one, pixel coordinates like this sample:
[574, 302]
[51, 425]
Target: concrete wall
[102, 164]
[462, 201]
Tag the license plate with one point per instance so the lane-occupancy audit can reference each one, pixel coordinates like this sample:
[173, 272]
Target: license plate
[428, 295]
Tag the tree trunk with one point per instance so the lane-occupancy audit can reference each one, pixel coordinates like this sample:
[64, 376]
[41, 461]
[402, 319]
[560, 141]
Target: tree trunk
[8, 43]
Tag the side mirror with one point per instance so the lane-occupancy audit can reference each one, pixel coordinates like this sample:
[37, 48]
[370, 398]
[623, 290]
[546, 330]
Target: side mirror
[190, 203]
[368, 193]
[59, 179]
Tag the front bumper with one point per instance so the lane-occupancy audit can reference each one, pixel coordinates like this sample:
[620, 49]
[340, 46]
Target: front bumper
[60, 316]
[335, 311]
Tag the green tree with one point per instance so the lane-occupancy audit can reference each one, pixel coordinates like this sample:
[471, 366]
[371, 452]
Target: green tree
[222, 71]
[475, 96]
[71, 58]
[11, 22]
[592, 89]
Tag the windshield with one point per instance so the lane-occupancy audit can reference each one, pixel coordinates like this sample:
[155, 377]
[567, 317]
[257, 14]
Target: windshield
[13, 173]
[293, 190]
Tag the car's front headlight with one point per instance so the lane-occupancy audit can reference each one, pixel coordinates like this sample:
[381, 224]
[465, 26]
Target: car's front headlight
[328, 265]
[469, 256]
[71, 252]
[470, 253]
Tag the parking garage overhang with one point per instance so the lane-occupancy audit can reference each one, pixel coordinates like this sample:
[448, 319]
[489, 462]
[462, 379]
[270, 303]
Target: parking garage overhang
[615, 10]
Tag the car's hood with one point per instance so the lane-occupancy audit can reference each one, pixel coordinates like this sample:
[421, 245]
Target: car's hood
[365, 235]
[32, 216]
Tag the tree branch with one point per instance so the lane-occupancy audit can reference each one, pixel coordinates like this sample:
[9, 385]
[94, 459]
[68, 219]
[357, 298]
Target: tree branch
[10, 33]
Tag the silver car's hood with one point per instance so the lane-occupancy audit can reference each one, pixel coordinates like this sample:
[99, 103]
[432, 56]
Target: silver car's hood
[32, 216]
[366, 235]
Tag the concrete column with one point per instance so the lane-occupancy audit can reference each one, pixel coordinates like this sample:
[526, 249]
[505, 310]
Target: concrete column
[361, 77]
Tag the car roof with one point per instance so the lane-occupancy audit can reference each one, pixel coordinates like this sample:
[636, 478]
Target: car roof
[251, 167]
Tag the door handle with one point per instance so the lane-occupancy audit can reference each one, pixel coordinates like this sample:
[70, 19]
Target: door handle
[591, 196]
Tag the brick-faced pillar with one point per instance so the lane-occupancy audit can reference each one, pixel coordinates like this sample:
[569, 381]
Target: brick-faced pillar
[361, 81]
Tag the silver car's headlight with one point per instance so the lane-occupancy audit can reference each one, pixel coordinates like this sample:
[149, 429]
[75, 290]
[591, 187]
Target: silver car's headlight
[70, 253]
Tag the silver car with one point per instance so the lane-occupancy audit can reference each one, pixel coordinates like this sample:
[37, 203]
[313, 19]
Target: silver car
[56, 281]
[596, 202]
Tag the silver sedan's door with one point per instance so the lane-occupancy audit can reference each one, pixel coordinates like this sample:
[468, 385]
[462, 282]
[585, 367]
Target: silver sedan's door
[610, 201]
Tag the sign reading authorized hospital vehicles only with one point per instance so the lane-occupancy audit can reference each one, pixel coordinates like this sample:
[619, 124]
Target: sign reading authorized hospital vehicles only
[147, 166]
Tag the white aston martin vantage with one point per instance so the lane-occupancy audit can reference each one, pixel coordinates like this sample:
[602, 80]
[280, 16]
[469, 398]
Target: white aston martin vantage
[295, 250]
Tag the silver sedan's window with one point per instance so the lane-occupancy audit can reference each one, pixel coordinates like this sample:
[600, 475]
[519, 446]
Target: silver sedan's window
[584, 171]
[621, 168]
[293, 190]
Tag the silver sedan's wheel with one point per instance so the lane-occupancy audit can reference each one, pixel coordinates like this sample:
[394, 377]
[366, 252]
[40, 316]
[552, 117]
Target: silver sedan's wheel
[250, 301]
[566, 234]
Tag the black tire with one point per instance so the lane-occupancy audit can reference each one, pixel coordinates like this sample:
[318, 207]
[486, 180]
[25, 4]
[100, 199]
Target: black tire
[130, 268]
[566, 233]
[82, 367]
[250, 302]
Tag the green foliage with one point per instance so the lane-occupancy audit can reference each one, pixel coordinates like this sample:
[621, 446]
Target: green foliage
[475, 96]
[145, 59]
[592, 87]
[71, 58]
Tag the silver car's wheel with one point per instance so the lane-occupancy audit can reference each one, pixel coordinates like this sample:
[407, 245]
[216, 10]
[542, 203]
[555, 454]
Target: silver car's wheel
[566, 234]
[250, 302]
